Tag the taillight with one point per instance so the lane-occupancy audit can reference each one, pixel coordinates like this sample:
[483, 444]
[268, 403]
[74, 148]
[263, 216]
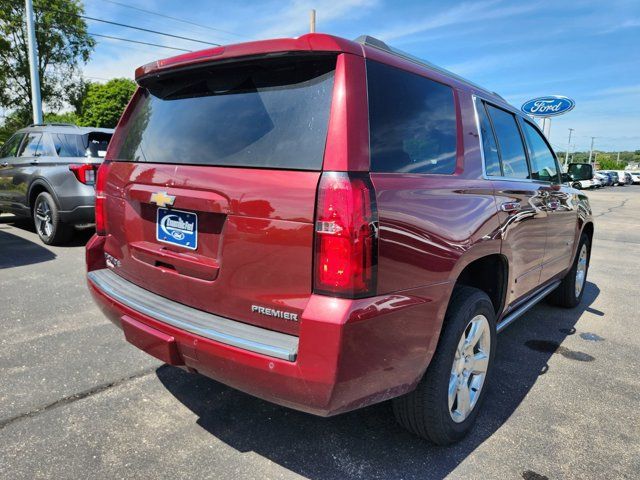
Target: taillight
[85, 173]
[101, 207]
[345, 236]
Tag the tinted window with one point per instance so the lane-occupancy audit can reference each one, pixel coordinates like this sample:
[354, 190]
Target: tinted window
[271, 113]
[543, 163]
[489, 145]
[30, 145]
[93, 144]
[68, 145]
[412, 122]
[514, 161]
[581, 171]
[45, 149]
[10, 148]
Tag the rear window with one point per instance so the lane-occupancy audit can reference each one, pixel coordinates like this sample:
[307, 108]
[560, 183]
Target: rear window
[412, 122]
[270, 113]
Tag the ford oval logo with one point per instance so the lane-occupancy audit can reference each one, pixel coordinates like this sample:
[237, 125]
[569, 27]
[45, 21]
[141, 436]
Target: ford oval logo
[548, 106]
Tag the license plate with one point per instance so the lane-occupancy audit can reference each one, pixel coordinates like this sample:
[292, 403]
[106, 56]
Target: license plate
[177, 227]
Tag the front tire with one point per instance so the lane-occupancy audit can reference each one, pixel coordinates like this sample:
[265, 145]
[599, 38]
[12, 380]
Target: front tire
[446, 402]
[571, 290]
[46, 219]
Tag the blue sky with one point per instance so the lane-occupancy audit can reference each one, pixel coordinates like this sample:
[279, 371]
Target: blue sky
[587, 50]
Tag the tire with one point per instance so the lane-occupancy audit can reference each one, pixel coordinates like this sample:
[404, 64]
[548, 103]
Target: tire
[427, 411]
[46, 220]
[568, 295]
[577, 186]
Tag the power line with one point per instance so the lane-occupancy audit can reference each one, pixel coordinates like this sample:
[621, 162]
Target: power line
[137, 41]
[156, 32]
[175, 18]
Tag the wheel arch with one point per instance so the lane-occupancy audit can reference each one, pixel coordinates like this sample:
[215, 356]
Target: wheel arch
[38, 186]
[488, 273]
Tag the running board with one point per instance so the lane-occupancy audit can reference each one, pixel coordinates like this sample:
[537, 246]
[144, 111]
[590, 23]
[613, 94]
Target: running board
[517, 313]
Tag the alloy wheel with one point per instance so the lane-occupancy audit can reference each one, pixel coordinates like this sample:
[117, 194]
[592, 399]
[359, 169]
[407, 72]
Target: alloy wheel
[44, 222]
[581, 270]
[469, 368]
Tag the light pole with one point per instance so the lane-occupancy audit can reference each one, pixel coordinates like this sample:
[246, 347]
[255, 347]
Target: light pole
[566, 157]
[36, 102]
[591, 149]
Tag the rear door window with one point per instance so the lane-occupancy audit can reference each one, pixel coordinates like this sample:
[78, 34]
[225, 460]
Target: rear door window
[489, 145]
[265, 113]
[30, 145]
[45, 148]
[512, 154]
[412, 122]
[543, 163]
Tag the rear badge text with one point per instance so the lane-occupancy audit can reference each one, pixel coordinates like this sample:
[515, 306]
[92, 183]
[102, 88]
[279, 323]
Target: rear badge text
[270, 312]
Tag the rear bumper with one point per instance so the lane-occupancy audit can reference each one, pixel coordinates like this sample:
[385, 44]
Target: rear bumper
[349, 354]
[79, 215]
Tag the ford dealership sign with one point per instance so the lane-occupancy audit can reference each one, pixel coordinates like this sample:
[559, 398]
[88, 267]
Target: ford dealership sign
[548, 106]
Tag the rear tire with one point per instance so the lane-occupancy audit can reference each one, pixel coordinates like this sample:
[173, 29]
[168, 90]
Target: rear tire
[571, 290]
[46, 219]
[431, 411]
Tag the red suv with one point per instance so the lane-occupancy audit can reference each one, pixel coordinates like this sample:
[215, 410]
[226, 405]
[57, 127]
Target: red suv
[328, 224]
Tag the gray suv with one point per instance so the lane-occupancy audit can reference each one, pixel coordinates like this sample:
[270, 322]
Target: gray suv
[47, 172]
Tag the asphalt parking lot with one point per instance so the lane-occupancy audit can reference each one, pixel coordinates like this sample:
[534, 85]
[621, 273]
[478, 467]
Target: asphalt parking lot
[77, 401]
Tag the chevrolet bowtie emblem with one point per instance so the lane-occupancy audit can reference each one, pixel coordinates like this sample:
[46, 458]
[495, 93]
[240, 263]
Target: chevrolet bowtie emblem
[162, 199]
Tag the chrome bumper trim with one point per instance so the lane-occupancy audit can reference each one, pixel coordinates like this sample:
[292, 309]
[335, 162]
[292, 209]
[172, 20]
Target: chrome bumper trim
[208, 325]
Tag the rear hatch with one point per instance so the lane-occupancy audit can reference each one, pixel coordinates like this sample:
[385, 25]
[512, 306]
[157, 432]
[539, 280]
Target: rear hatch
[211, 190]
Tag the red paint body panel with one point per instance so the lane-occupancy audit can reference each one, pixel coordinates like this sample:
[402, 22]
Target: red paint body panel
[257, 241]
[152, 341]
[335, 370]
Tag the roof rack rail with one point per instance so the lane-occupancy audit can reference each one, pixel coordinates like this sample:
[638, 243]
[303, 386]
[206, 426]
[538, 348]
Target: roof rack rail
[53, 124]
[380, 45]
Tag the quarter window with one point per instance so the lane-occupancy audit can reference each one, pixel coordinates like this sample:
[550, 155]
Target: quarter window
[543, 163]
[412, 122]
[514, 160]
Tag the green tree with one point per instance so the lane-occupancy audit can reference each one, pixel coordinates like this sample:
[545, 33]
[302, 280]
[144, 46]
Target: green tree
[104, 102]
[63, 43]
[66, 117]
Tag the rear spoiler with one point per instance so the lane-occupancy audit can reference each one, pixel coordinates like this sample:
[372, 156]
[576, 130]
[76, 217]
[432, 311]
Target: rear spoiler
[314, 42]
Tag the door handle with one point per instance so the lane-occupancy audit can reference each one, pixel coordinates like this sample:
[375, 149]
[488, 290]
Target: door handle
[511, 207]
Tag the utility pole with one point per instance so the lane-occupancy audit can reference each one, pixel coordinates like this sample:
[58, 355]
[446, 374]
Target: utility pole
[312, 21]
[618, 157]
[546, 127]
[36, 102]
[566, 157]
[591, 149]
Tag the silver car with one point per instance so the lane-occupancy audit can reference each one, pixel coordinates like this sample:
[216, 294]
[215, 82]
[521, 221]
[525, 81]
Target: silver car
[47, 172]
